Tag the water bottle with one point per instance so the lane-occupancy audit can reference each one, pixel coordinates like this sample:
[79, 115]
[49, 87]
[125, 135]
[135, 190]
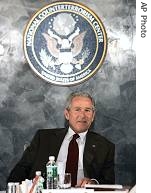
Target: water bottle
[13, 187]
[37, 184]
[10, 187]
[40, 181]
[17, 187]
[52, 173]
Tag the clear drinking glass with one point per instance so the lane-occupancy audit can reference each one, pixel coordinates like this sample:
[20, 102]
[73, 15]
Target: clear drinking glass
[64, 181]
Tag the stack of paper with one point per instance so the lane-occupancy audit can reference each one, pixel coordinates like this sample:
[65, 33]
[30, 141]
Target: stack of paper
[107, 188]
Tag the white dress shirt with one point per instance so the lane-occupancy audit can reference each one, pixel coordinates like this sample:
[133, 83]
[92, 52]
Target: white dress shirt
[62, 156]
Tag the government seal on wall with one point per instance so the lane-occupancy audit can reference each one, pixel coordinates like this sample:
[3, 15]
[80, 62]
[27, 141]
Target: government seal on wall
[65, 43]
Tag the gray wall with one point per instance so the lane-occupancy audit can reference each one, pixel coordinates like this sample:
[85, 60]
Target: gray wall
[27, 103]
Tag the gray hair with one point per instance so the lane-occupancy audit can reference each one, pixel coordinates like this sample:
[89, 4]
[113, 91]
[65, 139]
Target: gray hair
[79, 93]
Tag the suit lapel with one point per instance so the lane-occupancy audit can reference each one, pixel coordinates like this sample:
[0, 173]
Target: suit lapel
[89, 152]
[58, 139]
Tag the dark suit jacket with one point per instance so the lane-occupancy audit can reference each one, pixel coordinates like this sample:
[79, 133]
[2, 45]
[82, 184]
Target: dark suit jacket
[98, 158]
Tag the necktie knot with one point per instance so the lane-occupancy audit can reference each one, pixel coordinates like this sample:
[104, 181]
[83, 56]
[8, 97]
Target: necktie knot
[75, 136]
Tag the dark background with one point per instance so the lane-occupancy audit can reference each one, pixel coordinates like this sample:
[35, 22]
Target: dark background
[28, 103]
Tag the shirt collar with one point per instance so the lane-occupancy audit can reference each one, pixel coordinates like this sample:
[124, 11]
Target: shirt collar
[70, 133]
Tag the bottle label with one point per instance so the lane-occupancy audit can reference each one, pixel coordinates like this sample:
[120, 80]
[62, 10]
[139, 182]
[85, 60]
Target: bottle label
[52, 171]
[55, 173]
[49, 171]
[52, 177]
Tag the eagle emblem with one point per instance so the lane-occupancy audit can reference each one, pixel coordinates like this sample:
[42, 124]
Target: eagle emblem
[63, 49]
[65, 43]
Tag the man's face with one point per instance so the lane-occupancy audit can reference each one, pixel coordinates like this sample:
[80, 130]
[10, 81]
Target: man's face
[81, 114]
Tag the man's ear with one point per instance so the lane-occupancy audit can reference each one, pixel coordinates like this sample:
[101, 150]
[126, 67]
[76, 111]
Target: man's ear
[66, 114]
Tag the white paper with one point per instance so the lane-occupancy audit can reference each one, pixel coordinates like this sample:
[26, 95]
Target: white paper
[116, 191]
[108, 186]
[72, 190]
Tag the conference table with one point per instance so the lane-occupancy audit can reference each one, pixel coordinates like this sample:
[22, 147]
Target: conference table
[85, 190]
[81, 191]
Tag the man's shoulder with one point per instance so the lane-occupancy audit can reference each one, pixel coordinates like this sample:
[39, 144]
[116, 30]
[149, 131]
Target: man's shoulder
[99, 138]
[51, 131]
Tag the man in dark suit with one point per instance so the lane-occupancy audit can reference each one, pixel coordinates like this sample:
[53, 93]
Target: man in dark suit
[96, 153]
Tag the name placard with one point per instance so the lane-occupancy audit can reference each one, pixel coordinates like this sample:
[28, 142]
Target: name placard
[72, 190]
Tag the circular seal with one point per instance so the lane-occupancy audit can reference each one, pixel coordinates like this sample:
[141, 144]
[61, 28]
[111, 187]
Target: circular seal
[65, 43]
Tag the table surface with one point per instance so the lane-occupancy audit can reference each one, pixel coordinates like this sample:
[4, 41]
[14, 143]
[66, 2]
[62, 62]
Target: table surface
[126, 191]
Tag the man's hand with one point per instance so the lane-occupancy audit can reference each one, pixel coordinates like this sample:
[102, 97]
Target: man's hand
[84, 181]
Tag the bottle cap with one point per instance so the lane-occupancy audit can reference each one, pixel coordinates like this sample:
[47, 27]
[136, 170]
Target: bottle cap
[10, 183]
[38, 173]
[52, 158]
[16, 183]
